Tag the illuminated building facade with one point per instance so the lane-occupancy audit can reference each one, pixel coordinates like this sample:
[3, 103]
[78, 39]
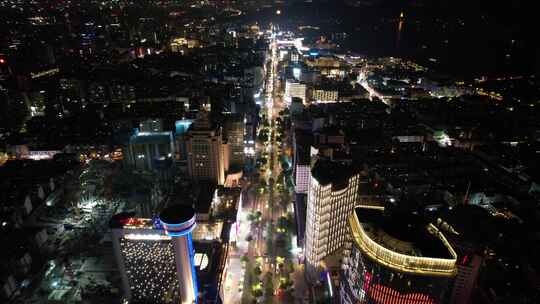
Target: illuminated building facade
[396, 258]
[302, 141]
[156, 256]
[295, 89]
[178, 45]
[205, 150]
[324, 96]
[333, 190]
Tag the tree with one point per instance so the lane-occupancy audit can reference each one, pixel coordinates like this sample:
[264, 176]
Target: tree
[262, 183]
[244, 258]
[263, 136]
[257, 293]
[251, 217]
[265, 122]
[268, 284]
[283, 222]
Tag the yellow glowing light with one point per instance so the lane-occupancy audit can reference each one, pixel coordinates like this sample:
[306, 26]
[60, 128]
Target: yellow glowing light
[403, 262]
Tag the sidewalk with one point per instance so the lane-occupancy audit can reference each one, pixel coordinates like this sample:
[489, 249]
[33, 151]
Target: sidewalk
[301, 289]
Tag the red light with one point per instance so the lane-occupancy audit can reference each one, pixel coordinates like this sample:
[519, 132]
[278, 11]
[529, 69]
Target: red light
[130, 221]
[383, 294]
[2, 61]
[124, 221]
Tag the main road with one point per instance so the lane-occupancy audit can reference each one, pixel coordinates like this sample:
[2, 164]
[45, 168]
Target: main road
[256, 241]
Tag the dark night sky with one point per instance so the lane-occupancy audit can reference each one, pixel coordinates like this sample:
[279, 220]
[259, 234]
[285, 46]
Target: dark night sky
[468, 38]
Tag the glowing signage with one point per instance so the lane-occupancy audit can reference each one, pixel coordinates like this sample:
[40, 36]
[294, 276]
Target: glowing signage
[147, 237]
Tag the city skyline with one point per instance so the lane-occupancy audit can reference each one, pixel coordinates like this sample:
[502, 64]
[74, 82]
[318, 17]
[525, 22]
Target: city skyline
[264, 151]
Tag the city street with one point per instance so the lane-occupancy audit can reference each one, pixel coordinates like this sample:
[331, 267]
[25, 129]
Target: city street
[262, 268]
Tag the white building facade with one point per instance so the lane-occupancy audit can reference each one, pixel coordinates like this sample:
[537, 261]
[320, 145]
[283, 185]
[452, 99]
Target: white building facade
[329, 204]
[295, 89]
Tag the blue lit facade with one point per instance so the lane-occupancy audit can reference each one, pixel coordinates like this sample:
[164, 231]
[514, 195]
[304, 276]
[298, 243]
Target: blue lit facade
[182, 126]
[185, 257]
[181, 129]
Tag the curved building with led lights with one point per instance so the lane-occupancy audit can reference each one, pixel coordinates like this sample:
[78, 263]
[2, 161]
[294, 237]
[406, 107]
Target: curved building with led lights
[396, 258]
[178, 223]
[156, 256]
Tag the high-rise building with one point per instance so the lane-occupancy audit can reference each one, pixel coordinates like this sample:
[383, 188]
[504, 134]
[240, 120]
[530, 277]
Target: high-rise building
[253, 80]
[468, 269]
[301, 166]
[332, 194]
[181, 129]
[156, 256]
[302, 141]
[464, 227]
[295, 89]
[205, 150]
[396, 257]
[234, 133]
[146, 149]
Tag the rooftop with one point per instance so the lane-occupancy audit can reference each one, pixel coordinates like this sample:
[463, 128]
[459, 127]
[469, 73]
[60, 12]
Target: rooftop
[336, 173]
[177, 214]
[205, 196]
[150, 137]
[182, 126]
[405, 233]
[403, 241]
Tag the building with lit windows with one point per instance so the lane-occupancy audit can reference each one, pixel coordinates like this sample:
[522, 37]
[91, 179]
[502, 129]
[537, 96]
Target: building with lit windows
[205, 150]
[295, 89]
[156, 256]
[234, 133]
[302, 141]
[181, 44]
[332, 195]
[396, 257]
[324, 95]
